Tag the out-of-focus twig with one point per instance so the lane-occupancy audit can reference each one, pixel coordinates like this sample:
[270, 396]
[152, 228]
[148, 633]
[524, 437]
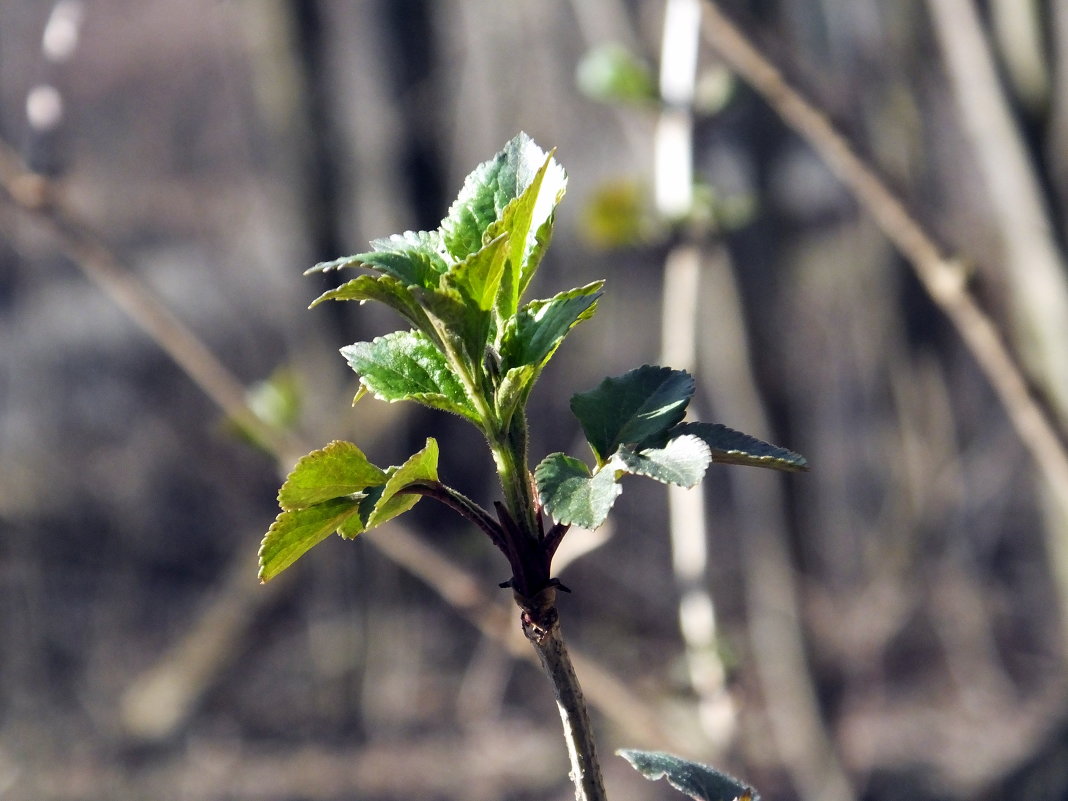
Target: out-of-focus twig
[41, 197]
[1031, 263]
[673, 190]
[161, 700]
[774, 619]
[942, 277]
[1033, 266]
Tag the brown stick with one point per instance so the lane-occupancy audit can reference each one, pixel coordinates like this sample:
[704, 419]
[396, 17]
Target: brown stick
[548, 642]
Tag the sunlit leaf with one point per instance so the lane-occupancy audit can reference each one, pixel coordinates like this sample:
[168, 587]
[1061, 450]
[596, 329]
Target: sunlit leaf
[733, 447]
[488, 190]
[338, 470]
[534, 334]
[384, 289]
[682, 461]
[405, 365]
[479, 275]
[414, 257]
[571, 494]
[295, 532]
[421, 466]
[525, 219]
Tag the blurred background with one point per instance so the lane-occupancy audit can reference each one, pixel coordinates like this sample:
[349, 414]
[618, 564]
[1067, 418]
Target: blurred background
[890, 625]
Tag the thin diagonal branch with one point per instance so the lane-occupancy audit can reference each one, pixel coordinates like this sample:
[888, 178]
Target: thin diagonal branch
[77, 241]
[940, 275]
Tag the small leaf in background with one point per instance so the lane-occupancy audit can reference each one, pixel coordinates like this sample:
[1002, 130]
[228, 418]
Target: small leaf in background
[405, 365]
[682, 461]
[698, 781]
[612, 74]
[571, 494]
[716, 211]
[635, 408]
[733, 447]
[338, 470]
[277, 400]
[618, 214]
[715, 89]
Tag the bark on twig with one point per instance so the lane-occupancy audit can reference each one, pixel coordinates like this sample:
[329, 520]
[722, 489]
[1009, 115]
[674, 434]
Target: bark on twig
[544, 635]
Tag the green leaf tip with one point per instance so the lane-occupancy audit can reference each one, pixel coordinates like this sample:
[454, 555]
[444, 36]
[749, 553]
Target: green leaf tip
[728, 446]
[700, 782]
[492, 186]
[336, 489]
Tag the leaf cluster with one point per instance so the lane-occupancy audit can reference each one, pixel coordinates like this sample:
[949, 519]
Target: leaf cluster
[475, 348]
[634, 425]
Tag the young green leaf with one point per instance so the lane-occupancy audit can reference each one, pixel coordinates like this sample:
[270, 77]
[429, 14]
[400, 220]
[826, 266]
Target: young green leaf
[733, 447]
[386, 290]
[542, 237]
[682, 461]
[405, 365]
[534, 334]
[461, 327]
[698, 781]
[311, 510]
[489, 189]
[571, 494]
[478, 277]
[414, 258]
[525, 218]
[514, 389]
[420, 466]
[336, 471]
[636, 408]
[295, 532]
